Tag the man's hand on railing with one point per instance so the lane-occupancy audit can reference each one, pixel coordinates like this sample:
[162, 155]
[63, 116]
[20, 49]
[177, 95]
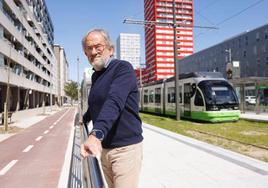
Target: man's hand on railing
[92, 147]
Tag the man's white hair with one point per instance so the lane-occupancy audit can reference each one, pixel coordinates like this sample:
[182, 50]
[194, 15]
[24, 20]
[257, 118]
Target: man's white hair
[103, 33]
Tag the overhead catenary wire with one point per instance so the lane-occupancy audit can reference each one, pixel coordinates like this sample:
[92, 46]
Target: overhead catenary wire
[228, 18]
[205, 8]
[239, 12]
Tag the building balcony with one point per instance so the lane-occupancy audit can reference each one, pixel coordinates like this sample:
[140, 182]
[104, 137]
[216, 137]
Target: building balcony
[21, 81]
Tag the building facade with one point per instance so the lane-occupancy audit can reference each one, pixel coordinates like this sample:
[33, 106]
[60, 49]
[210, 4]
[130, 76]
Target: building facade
[246, 54]
[128, 47]
[27, 62]
[159, 37]
[62, 73]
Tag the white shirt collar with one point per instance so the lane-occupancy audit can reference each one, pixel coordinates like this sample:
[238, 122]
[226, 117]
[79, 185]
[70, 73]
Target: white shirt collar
[108, 62]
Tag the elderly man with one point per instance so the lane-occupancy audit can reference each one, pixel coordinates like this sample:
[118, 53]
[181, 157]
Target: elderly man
[113, 108]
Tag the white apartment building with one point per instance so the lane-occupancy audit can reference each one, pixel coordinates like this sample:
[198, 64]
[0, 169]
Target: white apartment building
[62, 73]
[27, 62]
[129, 48]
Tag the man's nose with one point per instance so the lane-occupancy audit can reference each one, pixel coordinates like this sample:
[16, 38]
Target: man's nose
[94, 51]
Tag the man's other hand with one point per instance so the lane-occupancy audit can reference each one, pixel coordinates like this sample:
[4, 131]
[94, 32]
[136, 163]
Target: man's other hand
[92, 147]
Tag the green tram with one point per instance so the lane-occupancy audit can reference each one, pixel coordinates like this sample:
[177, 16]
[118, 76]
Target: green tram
[204, 96]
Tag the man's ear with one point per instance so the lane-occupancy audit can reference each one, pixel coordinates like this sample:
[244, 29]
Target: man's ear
[111, 48]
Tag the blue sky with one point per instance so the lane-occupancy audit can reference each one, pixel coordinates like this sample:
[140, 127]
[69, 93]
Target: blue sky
[72, 19]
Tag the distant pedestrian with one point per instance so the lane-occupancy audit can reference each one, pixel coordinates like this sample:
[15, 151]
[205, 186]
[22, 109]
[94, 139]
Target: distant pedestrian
[113, 108]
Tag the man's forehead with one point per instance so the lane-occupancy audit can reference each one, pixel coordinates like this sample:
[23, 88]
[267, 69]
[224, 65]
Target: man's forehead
[94, 38]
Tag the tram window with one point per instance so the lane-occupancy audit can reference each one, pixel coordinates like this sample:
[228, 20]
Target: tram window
[157, 95]
[198, 101]
[145, 98]
[151, 96]
[171, 95]
[222, 94]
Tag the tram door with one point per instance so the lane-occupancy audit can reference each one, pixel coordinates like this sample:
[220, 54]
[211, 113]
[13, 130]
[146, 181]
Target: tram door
[187, 100]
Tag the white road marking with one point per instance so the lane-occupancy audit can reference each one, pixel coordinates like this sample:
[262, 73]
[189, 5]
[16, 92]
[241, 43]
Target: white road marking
[46, 131]
[51, 127]
[28, 148]
[7, 167]
[57, 121]
[38, 138]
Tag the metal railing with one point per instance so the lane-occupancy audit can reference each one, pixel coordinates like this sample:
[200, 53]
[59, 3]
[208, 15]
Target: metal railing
[91, 170]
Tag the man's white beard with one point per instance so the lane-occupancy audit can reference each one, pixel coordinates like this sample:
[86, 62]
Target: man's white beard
[98, 63]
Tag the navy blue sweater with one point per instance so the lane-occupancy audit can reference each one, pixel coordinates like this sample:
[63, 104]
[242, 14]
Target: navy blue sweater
[113, 105]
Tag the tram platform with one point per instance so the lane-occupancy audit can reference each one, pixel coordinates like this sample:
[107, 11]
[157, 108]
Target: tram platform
[172, 160]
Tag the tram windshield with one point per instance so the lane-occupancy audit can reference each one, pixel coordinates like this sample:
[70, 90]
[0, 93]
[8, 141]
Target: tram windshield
[218, 92]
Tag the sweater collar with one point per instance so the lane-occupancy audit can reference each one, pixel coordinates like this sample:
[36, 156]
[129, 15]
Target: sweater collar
[108, 62]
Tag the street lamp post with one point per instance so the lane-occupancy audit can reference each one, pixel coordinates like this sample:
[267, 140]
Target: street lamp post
[43, 102]
[141, 91]
[6, 104]
[50, 87]
[229, 66]
[78, 85]
[230, 54]
[141, 77]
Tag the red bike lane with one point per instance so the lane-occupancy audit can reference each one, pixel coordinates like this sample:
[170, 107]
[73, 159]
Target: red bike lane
[35, 156]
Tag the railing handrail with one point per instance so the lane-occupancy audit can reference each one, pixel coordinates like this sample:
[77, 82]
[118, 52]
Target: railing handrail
[92, 177]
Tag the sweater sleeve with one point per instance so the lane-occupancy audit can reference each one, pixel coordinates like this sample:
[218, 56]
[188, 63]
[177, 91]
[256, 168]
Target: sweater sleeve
[124, 81]
[86, 117]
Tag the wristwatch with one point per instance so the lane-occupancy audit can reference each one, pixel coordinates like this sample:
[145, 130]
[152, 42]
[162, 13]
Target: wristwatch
[97, 133]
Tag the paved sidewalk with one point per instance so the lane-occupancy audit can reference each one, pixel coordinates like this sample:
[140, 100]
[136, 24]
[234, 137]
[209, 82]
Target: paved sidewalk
[27, 118]
[255, 117]
[175, 161]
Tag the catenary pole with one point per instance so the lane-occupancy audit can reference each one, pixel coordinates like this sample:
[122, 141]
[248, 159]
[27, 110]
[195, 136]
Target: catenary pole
[78, 85]
[176, 66]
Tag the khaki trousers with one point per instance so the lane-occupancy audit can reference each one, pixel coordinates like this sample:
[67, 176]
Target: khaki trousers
[122, 166]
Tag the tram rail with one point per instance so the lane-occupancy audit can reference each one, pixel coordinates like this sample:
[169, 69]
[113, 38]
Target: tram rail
[232, 140]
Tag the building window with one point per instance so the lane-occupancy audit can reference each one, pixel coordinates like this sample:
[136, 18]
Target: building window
[246, 40]
[255, 50]
[244, 53]
[266, 34]
[263, 48]
[258, 61]
[257, 36]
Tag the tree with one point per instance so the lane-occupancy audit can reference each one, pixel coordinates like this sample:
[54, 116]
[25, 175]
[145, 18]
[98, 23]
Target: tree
[70, 89]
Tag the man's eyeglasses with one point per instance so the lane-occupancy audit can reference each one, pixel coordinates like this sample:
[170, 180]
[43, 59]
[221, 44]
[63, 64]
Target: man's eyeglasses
[98, 47]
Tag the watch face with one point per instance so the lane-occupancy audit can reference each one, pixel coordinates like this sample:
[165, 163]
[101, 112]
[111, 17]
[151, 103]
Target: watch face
[99, 135]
